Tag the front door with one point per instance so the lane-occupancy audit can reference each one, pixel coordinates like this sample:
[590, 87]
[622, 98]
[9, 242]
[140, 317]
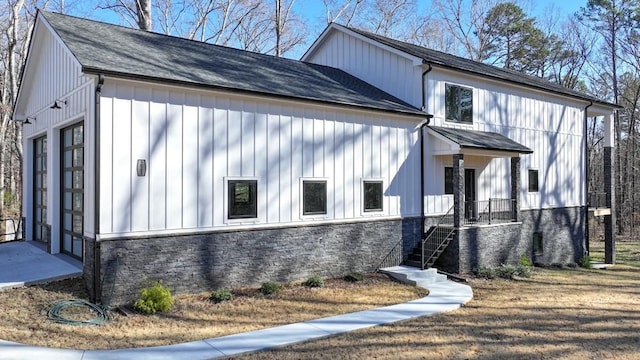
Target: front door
[470, 206]
[72, 189]
[40, 227]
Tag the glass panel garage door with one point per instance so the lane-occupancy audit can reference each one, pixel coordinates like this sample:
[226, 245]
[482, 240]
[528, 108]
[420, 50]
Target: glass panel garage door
[40, 228]
[72, 188]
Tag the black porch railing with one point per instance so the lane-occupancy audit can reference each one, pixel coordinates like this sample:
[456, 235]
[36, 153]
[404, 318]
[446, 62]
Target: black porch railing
[597, 200]
[492, 211]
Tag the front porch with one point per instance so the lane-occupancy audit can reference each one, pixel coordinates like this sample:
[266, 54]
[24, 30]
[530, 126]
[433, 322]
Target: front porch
[472, 206]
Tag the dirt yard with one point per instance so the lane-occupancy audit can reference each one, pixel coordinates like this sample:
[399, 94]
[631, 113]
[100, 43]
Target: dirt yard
[24, 313]
[557, 314]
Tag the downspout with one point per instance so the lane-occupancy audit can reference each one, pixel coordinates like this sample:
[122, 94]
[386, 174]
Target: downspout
[96, 202]
[586, 179]
[422, 156]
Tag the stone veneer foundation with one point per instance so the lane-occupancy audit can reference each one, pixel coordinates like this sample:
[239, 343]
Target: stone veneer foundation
[563, 233]
[206, 261]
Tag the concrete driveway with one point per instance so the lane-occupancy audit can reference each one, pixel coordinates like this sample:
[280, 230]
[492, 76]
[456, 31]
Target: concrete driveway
[23, 263]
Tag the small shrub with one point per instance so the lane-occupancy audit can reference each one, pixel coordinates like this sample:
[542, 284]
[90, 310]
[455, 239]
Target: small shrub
[269, 288]
[314, 281]
[585, 262]
[354, 277]
[525, 261]
[504, 271]
[221, 295]
[486, 273]
[153, 299]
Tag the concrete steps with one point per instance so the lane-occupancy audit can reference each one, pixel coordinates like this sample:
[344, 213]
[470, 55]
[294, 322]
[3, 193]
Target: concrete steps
[414, 276]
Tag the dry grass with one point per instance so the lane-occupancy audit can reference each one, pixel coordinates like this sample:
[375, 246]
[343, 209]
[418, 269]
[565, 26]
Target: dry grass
[558, 313]
[193, 317]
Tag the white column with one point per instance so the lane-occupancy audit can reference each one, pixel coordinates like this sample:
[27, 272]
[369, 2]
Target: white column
[609, 139]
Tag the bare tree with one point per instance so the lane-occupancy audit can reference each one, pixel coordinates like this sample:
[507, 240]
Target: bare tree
[15, 26]
[341, 12]
[464, 19]
[135, 12]
[609, 18]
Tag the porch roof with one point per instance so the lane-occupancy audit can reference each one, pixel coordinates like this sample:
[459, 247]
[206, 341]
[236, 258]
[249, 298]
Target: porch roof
[460, 139]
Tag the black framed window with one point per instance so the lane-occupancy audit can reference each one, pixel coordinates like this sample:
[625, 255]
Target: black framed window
[372, 195]
[314, 197]
[458, 103]
[448, 180]
[242, 199]
[533, 180]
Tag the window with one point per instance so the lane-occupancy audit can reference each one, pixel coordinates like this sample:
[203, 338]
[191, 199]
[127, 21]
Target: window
[448, 180]
[242, 199]
[533, 180]
[458, 103]
[314, 197]
[537, 243]
[372, 195]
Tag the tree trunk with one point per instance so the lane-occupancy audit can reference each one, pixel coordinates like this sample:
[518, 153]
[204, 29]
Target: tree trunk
[144, 14]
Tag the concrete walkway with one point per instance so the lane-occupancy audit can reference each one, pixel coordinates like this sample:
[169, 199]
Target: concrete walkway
[444, 295]
[23, 263]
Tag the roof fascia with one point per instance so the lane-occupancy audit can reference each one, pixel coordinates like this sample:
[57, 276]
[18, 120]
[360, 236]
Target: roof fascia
[417, 61]
[470, 151]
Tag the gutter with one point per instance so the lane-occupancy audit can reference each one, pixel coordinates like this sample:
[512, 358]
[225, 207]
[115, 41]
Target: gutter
[586, 180]
[96, 202]
[422, 155]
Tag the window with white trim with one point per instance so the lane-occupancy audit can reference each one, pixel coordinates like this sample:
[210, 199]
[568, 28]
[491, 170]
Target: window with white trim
[533, 180]
[314, 197]
[372, 195]
[242, 199]
[458, 104]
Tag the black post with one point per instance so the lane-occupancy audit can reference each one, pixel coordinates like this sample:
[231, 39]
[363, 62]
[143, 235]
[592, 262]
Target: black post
[609, 220]
[458, 190]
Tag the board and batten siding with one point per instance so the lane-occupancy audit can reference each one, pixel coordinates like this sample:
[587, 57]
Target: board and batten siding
[551, 125]
[393, 73]
[194, 140]
[54, 73]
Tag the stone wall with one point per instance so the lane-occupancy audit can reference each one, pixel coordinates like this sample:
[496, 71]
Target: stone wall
[563, 232]
[202, 262]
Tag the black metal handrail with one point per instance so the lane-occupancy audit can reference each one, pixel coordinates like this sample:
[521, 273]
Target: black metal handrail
[434, 240]
[492, 211]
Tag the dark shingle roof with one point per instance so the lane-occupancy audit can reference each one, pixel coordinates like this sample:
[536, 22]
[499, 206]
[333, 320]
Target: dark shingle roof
[115, 50]
[481, 140]
[442, 59]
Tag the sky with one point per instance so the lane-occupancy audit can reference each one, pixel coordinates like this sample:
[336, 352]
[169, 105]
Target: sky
[313, 12]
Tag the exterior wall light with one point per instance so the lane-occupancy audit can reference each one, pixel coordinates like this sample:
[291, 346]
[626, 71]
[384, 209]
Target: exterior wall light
[141, 167]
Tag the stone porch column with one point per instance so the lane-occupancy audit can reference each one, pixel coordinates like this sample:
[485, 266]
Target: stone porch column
[515, 187]
[458, 190]
[609, 188]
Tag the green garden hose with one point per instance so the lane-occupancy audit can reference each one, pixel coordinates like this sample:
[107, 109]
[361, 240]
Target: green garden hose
[102, 314]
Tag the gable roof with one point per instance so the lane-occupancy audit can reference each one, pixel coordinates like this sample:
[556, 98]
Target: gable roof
[108, 49]
[486, 140]
[458, 63]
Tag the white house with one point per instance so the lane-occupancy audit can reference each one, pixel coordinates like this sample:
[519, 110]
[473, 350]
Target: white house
[539, 189]
[153, 156]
